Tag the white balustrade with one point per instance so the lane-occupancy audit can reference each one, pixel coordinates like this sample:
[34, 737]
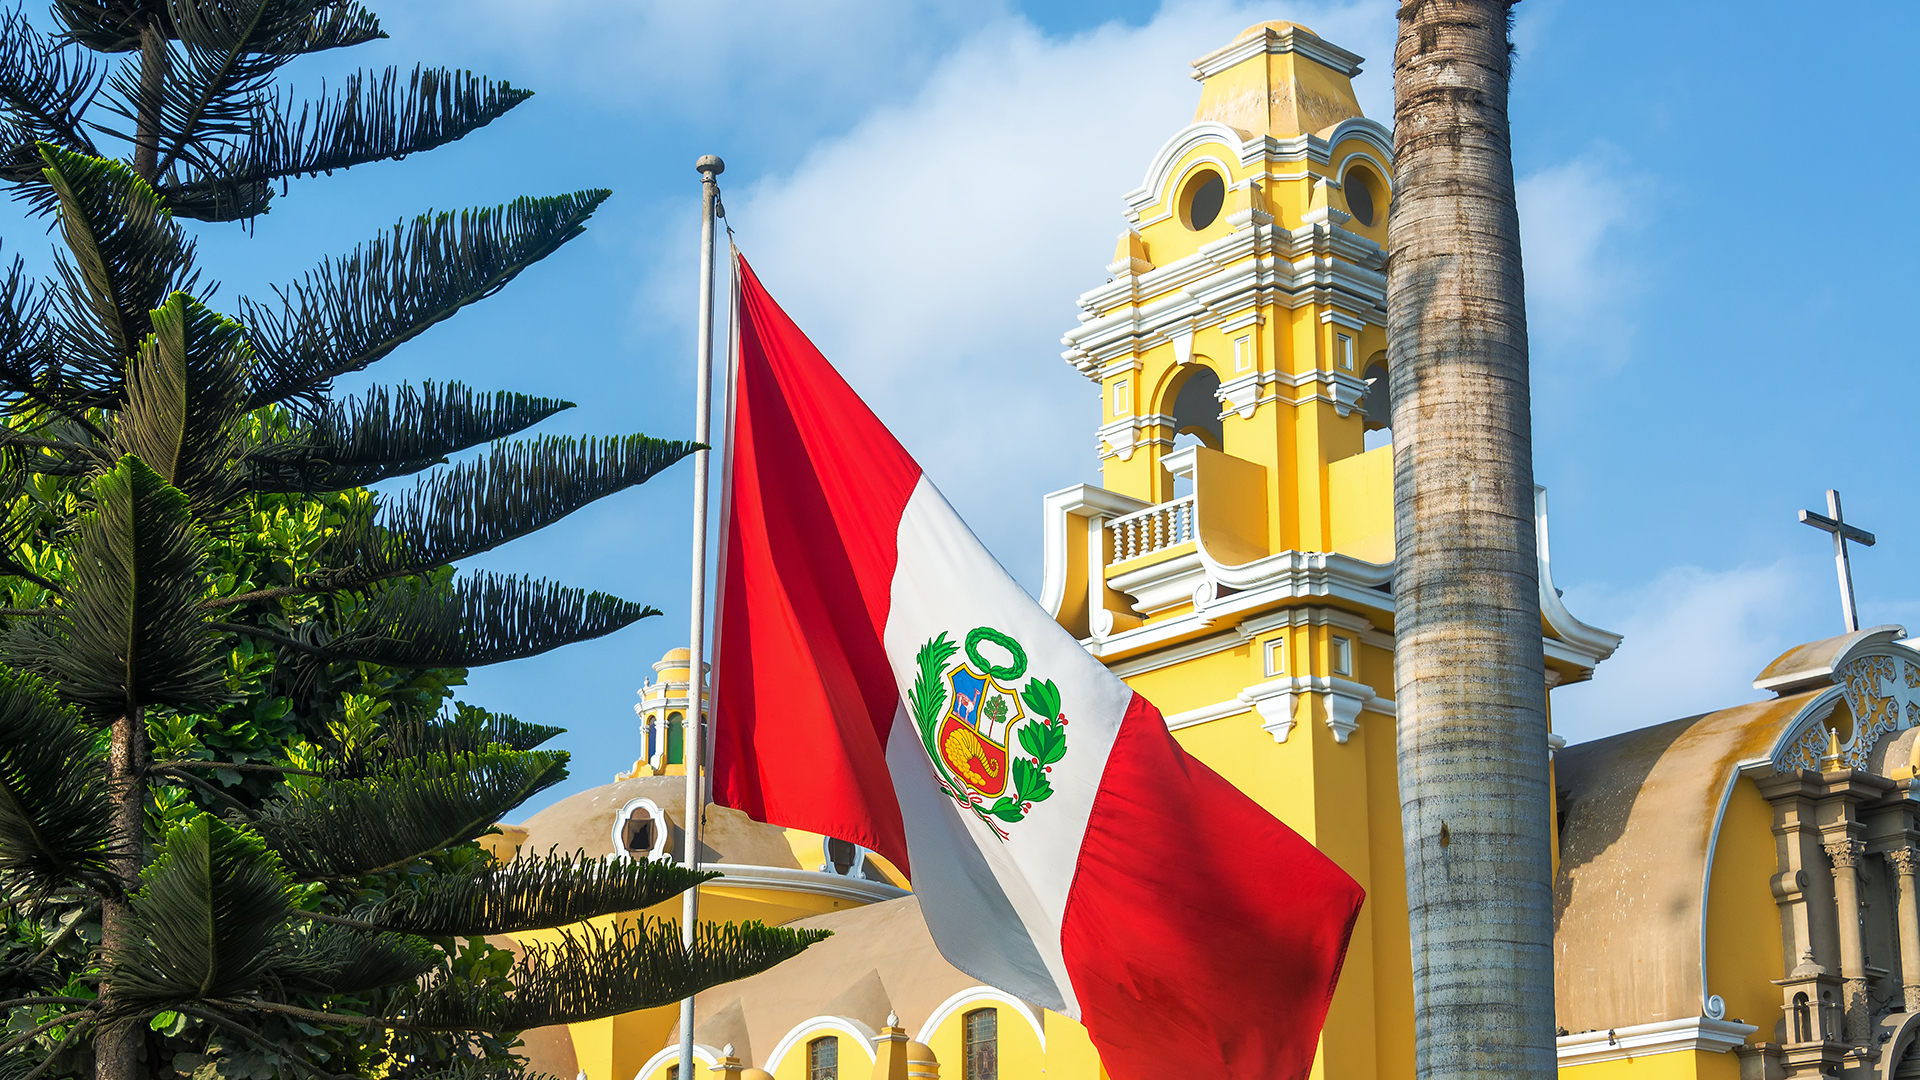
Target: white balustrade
[1156, 528]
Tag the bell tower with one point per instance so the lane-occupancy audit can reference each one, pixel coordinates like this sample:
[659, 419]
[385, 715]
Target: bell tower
[1235, 565]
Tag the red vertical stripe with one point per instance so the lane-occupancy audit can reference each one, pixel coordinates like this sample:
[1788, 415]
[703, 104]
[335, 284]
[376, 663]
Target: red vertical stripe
[803, 695]
[1200, 930]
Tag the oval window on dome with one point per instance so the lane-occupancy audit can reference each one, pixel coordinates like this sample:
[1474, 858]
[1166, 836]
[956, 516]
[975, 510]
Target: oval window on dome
[1201, 200]
[1359, 188]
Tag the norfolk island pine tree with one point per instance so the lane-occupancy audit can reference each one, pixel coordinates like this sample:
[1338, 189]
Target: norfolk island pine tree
[149, 444]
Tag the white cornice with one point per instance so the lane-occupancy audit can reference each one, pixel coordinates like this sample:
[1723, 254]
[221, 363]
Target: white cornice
[1270, 41]
[1223, 282]
[1219, 710]
[1643, 1040]
[811, 882]
[1578, 643]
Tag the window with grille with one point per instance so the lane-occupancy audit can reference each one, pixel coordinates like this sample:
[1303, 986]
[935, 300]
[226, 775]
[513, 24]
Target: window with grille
[823, 1058]
[983, 1044]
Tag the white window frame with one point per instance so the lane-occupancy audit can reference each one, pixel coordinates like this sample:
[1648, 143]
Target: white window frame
[1276, 656]
[659, 833]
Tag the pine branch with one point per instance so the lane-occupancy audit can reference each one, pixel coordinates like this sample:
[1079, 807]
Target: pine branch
[353, 311]
[391, 432]
[590, 975]
[347, 828]
[220, 64]
[372, 119]
[53, 808]
[330, 960]
[529, 893]
[45, 92]
[184, 407]
[467, 728]
[130, 633]
[127, 256]
[207, 918]
[478, 620]
[516, 489]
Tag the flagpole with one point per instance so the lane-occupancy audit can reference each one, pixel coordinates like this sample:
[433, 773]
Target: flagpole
[710, 168]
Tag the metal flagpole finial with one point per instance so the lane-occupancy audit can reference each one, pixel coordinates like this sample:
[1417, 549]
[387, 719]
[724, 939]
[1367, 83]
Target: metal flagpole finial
[1835, 522]
[710, 165]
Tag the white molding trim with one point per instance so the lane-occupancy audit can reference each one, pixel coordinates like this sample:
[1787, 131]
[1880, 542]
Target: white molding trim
[1219, 710]
[1589, 644]
[1189, 650]
[810, 1029]
[1643, 1040]
[977, 995]
[1290, 39]
[783, 879]
[1248, 269]
[1273, 700]
[670, 1055]
[1381, 170]
[1122, 437]
[659, 831]
[1081, 500]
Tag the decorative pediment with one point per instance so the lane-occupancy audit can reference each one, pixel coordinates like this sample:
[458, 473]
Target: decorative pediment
[1872, 673]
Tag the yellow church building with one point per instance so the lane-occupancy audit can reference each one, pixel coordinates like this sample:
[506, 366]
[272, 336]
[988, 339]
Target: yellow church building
[1735, 892]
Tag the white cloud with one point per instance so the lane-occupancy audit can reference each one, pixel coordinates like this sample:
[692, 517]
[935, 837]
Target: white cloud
[1695, 639]
[934, 251]
[1580, 284]
[763, 66]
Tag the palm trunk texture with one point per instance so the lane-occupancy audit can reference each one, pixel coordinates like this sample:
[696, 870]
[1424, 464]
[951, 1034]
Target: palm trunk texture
[1468, 672]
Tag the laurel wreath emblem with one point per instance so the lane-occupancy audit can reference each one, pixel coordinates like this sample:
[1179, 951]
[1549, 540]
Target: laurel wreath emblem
[1043, 736]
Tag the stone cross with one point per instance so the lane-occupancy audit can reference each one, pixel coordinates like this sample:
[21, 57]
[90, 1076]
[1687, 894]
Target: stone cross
[1842, 532]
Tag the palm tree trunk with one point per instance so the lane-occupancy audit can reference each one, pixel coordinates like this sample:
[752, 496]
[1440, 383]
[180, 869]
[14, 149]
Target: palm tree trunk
[117, 1049]
[1468, 673]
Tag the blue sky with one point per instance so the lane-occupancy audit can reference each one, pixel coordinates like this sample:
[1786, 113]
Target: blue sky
[1715, 215]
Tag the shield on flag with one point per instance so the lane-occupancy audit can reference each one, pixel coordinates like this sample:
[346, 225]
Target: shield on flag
[973, 737]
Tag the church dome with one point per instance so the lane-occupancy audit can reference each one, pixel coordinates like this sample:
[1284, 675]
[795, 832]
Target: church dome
[676, 660]
[592, 820]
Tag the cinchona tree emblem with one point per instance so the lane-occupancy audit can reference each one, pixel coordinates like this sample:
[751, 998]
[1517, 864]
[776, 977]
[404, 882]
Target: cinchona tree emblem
[970, 717]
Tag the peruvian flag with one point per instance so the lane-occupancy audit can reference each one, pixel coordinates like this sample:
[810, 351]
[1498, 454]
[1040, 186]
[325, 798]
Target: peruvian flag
[881, 679]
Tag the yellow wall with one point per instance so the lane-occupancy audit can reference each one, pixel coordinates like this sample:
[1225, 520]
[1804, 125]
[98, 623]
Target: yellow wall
[1677, 1065]
[1743, 918]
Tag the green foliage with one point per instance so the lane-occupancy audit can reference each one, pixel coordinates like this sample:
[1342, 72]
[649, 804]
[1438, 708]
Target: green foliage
[129, 633]
[590, 974]
[238, 805]
[347, 828]
[532, 892]
[53, 814]
[207, 918]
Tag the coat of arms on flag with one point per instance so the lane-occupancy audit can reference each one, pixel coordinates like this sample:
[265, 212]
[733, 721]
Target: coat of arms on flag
[969, 744]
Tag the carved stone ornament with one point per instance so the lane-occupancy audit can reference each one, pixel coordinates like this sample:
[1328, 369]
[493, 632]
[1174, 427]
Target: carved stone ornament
[1846, 854]
[1904, 861]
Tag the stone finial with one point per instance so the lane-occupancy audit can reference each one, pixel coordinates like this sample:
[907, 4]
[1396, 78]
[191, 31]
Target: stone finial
[1830, 761]
[1807, 968]
[890, 1051]
[727, 1050]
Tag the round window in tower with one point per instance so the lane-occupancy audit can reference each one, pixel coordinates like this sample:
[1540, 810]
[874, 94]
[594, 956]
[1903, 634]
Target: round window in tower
[1359, 189]
[1202, 198]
